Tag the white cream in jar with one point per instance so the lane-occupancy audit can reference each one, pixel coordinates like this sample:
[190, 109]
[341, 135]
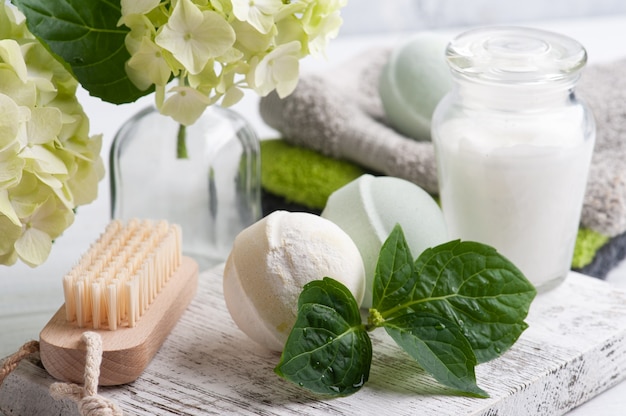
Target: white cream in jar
[513, 147]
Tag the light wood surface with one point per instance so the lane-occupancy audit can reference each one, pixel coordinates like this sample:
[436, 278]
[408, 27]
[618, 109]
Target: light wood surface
[574, 349]
[126, 351]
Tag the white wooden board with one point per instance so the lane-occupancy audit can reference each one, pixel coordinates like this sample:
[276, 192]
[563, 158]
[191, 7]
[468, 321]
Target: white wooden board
[574, 349]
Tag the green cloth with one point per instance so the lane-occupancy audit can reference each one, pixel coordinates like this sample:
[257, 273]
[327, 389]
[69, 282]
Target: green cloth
[588, 242]
[307, 178]
[301, 175]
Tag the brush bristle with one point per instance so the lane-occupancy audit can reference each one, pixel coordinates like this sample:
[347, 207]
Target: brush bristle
[121, 274]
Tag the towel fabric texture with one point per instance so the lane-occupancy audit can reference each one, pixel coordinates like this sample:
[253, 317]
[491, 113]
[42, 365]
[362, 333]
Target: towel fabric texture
[338, 113]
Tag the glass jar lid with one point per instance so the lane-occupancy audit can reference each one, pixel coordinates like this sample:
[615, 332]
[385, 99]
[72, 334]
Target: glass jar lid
[515, 55]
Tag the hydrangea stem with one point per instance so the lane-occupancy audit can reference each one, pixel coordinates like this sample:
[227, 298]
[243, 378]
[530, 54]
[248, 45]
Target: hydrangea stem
[181, 142]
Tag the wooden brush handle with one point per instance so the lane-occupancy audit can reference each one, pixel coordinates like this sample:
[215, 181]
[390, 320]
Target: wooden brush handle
[126, 351]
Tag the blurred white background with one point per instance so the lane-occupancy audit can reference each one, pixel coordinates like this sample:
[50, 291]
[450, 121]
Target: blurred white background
[371, 16]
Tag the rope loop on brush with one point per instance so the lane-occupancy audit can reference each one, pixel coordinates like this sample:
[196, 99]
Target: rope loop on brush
[86, 396]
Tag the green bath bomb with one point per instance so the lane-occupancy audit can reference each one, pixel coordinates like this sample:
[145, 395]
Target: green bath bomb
[368, 209]
[413, 82]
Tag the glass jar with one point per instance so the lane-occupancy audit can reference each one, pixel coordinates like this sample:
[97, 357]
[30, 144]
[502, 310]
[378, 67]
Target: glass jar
[213, 193]
[513, 145]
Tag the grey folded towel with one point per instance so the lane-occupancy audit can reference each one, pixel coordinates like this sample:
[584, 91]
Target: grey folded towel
[339, 113]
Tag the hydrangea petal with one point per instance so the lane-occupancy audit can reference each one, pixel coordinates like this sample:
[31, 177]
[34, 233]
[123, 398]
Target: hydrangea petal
[138, 6]
[10, 171]
[194, 37]
[233, 96]
[286, 82]
[84, 183]
[52, 218]
[10, 232]
[21, 93]
[9, 121]
[49, 180]
[33, 247]
[87, 151]
[44, 125]
[249, 39]
[185, 105]
[147, 66]
[11, 54]
[45, 160]
[6, 208]
[8, 259]
[140, 28]
[259, 13]
[278, 68]
[11, 23]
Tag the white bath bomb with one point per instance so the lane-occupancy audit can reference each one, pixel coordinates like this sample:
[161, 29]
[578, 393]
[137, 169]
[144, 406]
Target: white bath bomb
[273, 259]
[368, 209]
[413, 82]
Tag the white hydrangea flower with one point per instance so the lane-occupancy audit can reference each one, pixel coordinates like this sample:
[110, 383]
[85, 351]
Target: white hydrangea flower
[278, 70]
[321, 22]
[48, 163]
[194, 36]
[148, 66]
[259, 13]
[220, 47]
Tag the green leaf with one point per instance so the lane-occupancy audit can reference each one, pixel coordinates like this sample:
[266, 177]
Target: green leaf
[328, 350]
[439, 347]
[478, 288]
[333, 294]
[394, 277]
[85, 36]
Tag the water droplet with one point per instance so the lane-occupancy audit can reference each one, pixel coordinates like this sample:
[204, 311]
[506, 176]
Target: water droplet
[461, 323]
[335, 389]
[323, 376]
[498, 350]
[440, 326]
[330, 370]
[330, 339]
[301, 384]
[360, 383]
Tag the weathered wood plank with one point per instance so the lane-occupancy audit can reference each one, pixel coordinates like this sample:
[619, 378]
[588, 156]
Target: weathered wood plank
[574, 349]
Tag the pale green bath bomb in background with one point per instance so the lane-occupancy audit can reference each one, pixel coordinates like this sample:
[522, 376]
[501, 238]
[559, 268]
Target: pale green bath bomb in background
[413, 82]
[368, 209]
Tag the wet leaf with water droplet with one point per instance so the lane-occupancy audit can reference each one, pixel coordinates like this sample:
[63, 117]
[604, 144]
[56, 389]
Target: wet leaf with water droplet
[334, 357]
[467, 282]
[458, 304]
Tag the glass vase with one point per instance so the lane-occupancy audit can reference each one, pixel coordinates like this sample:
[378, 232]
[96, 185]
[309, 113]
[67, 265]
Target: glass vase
[212, 193]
